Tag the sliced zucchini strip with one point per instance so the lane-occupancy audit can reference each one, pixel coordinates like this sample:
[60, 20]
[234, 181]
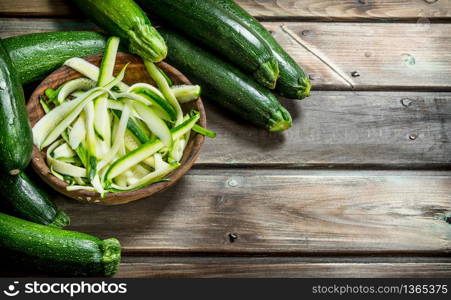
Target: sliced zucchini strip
[108, 61]
[62, 167]
[186, 93]
[89, 70]
[154, 123]
[118, 137]
[138, 155]
[156, 99]
[78, 132]
[74, 85]
[43, 127]
[165, 89]
[153, 177]
[68, 119]
[63, 151]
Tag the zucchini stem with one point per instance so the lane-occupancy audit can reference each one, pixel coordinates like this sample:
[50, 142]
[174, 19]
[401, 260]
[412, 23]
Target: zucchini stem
[268, 73]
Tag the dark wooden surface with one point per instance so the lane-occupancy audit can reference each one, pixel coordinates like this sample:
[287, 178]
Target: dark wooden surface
[282, 212]
[398, 10]
[359, 187]
[285, 267]
[387, 56]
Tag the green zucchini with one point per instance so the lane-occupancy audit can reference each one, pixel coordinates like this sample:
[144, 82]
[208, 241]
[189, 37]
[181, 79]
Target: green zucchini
[210, 24]
[226, 85]
[293, 82]
[58, 251]
[16, 140]
[38, 54]
[125, 19]
[26, 200]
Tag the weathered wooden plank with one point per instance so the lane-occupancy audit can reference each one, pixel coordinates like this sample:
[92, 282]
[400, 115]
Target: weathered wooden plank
[305, 9]
[17, 26]
[268, 267]
[385, 56]
[349, 9]
[290, 270]
[36, 8]
[290, 212]
[340, 129]
[289, 267]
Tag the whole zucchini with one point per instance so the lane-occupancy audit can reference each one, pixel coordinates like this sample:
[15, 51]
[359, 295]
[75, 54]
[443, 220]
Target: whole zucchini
[16, 142]
[211, 25]
[226, 85]
[38, 54]
[57, 251]
[28, 201]
[292, 83]
[125, 19]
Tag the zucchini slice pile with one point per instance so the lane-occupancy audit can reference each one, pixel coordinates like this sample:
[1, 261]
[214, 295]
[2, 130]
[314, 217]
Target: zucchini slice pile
[103, 135]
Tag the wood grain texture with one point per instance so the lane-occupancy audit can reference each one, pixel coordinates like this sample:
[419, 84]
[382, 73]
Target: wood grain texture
[37, 8]
[269, 267]
[290, 212]
[17, 26]
[289, 270]
[287, 267]
[349, 9]
[341, 129]
[305, 9]
[385, 56]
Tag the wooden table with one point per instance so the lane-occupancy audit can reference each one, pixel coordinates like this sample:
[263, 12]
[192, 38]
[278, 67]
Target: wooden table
[360, 186]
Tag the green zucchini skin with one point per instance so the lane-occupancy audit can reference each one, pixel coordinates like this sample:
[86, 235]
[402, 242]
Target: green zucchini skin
[38, 54]
[16, 140]
[30, 202]
[57, 251]
[226, 85]
[125, 19]
[208, 23]
[293, 82]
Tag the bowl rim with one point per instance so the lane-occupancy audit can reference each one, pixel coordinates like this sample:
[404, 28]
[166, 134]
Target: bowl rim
[38, 161]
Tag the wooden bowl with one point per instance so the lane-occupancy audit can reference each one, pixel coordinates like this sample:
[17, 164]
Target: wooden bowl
[136, 72]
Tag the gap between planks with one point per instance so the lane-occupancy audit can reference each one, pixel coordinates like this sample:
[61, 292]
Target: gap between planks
[284, 267]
